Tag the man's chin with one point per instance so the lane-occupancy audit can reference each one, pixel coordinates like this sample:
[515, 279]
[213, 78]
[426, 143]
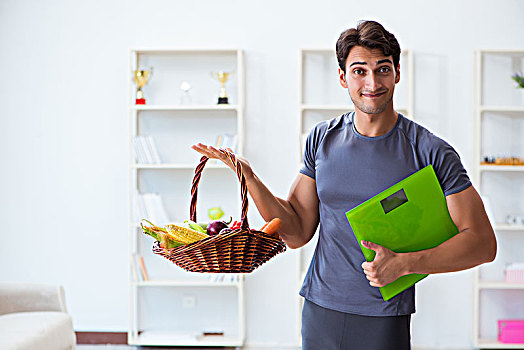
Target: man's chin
[371, 109]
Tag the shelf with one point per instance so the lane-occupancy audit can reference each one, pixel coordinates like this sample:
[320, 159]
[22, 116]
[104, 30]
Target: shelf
[185, 107]
[494, 344]
[513, 109]
[166, 338]
[502, 52]
[174, 125]
[501, 168]
[495, 120]
[499, 285]
[178, 166]
[187, 51]
[172, 283]
[505, 227]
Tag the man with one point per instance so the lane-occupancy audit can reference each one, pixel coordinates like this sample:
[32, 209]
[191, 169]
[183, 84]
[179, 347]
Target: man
[348, 160]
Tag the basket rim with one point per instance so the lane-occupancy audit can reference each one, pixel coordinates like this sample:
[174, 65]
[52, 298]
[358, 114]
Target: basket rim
[219, 237]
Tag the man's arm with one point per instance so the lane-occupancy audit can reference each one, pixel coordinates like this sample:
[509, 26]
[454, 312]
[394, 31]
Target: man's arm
[299, 212]
[475, 244]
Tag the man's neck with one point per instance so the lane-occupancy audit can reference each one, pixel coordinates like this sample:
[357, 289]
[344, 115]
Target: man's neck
[373, 125]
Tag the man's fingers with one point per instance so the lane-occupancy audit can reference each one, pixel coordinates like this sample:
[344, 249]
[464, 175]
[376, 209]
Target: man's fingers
[209, 151]
[371, 245]
[212, 153]
[371, 274]
[376, 284]
[373, 281]
[201, 148]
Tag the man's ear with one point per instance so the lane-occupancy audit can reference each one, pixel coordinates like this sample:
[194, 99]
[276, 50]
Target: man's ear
[342, 78]
[397, 77]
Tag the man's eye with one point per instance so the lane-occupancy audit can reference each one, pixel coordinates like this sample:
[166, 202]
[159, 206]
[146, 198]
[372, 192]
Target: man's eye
[358, 71]
[384, 69]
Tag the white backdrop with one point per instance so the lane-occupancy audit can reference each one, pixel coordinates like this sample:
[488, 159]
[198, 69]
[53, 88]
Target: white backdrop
[64, 122]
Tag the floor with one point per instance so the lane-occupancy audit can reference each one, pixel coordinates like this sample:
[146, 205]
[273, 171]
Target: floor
[127, 347]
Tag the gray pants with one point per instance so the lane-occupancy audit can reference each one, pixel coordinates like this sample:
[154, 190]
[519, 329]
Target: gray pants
[325, 329]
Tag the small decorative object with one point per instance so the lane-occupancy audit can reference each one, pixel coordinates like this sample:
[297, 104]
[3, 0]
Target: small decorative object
[514, 272]
[511, 331]
[519, 79]
[515, 219]
[141, 77]
[491, 160]
[222, 78]
[185, 99]
[215, 213]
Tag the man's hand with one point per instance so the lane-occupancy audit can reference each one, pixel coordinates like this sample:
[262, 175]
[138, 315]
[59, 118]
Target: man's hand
[213, 153]
[385, 268]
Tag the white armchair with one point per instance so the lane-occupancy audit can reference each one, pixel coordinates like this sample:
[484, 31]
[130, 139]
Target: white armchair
[34, 316]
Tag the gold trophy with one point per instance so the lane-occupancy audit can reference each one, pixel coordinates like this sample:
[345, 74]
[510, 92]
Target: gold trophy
[222, 78]
[141, 77]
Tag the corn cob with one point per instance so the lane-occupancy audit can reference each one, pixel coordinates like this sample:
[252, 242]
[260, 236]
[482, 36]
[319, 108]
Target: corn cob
[161, 235]
[184, 235]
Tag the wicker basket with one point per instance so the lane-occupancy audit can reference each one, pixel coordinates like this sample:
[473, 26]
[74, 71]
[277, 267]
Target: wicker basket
[238, 251]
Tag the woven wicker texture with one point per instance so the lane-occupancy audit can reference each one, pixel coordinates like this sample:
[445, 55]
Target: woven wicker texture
[239, 251]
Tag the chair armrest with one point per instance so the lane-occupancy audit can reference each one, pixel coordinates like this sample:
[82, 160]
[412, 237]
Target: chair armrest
[24, 297]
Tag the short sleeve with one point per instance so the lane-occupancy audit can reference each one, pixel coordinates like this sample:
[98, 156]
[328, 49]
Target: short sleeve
[451, 174]
[312, 143]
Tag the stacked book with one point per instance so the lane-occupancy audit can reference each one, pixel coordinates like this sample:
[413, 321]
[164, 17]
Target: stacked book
[515, 272]
[227, 141]
[224, 277]
[145, 150]
[138, 268]
[150, 206]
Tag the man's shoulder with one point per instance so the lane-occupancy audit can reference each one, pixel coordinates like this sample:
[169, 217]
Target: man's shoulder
[419, 136]
[333, 124]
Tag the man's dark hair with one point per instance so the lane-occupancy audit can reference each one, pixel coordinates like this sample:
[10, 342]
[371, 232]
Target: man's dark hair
[368, 34]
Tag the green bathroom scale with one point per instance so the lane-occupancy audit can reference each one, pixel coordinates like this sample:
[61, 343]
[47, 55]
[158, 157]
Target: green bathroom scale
[409, 216]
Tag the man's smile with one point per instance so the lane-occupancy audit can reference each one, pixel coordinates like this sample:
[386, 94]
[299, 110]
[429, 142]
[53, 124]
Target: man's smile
[373, 95]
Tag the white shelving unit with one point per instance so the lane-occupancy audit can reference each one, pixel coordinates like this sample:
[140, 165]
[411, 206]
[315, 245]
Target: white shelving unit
[322, 98]
[498, 131]
[175, 307]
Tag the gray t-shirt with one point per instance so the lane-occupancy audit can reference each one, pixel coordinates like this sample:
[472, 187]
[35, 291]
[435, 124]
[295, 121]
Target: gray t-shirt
[350, 168]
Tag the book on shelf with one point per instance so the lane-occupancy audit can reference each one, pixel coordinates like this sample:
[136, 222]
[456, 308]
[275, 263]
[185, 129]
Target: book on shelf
[226, 141]
[140, 207]
[150, 206]
[140, 157]
[152, 150]
[142, 266]
[145, 150]
[224, 278]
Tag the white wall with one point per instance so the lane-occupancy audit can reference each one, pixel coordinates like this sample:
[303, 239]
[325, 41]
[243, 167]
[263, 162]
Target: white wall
[64, 122]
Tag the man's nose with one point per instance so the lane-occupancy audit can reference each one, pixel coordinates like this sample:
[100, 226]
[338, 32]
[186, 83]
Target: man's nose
[372, 82]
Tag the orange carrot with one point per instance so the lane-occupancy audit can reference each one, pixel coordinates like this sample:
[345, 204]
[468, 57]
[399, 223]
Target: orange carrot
[272, 227]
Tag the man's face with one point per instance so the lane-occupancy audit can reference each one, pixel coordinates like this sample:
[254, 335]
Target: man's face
[370, 79]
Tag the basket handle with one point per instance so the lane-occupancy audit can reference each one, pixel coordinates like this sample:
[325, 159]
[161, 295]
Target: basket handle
[243, 187]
